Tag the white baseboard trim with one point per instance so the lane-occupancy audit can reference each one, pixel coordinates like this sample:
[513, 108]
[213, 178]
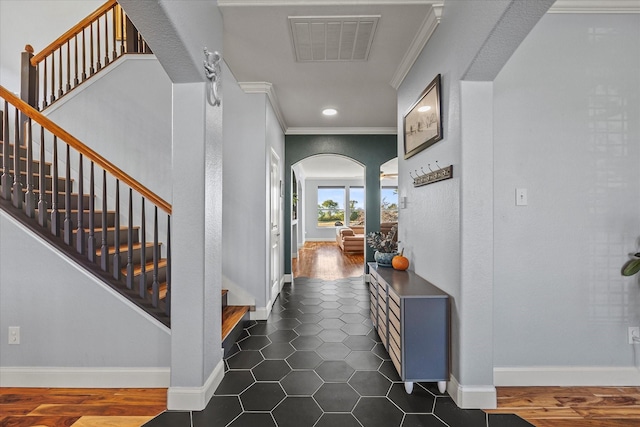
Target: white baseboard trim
[84, 377]
[195, 398]
[260, 313]
[472, 397]
[565, 376]
[288, 278]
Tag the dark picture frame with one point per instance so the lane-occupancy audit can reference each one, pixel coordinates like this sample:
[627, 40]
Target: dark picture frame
[422, 124]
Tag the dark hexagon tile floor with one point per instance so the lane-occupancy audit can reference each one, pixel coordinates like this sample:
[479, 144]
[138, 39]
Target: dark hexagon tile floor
[318, 362]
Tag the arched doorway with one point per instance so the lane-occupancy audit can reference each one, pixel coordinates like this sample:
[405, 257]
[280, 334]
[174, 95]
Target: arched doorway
[328, 201]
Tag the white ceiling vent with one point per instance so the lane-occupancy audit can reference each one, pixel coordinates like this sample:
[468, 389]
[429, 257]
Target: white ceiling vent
[332, 38]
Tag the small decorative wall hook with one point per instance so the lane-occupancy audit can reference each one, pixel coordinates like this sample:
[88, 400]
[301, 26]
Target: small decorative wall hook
[438, 165]
[429, 166]
[212, 72]
[411, 175]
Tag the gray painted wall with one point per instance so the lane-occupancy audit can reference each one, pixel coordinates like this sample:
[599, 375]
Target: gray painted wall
[251, 130]
[244, 200]
[134, 100]
[430, 225]
[34, 22]
[567, 114]
[97, 330]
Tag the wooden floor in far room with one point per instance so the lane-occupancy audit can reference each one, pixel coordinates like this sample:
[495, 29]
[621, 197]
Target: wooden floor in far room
[325, 260]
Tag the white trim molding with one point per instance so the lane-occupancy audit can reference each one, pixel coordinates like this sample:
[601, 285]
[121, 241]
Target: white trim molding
[195, 398]
[266, 88]
[472, 397]
[245, 3]
[595, 6]
[71, 377]
[343, 131]
[566, 376]
[260, 313]
[423, 35]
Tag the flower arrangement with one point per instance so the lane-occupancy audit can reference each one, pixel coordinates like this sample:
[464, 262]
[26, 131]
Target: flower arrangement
[384, 243]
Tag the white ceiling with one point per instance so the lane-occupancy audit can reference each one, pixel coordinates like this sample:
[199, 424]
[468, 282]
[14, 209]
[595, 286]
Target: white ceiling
[258, 48]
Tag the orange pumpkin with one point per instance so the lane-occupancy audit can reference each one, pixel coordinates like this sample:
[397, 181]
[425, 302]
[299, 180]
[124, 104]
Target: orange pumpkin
[400, 262]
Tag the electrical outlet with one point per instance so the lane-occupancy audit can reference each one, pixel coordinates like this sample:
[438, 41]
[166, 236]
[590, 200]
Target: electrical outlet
[634, 334]
[14, 335]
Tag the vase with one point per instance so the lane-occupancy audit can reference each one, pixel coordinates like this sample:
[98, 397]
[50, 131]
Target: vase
[384, 258]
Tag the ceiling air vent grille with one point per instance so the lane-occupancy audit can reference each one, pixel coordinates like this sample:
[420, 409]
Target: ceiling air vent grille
[332, 38]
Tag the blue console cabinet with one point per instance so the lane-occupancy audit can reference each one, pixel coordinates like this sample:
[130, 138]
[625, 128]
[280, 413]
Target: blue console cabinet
[411, 316]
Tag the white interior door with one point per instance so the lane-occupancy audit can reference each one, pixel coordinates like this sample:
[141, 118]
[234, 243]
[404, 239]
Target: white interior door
[275, 202]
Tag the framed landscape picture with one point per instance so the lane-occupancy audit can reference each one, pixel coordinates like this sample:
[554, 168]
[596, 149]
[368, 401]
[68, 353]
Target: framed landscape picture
[423, 122]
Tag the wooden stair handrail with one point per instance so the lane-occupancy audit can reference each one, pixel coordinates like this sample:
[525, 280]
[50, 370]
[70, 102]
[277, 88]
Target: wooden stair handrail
[73, 142]
[76, 29]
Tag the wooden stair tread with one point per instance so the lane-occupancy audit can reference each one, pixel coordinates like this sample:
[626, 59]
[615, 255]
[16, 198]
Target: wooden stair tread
[162, 290]
[225, 291]
[99, 229]
[231, 315]
[124, 247]
[137, 269]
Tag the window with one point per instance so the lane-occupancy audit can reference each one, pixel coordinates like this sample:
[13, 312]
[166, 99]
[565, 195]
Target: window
[331, 206]
[356, 206]
[389, 204]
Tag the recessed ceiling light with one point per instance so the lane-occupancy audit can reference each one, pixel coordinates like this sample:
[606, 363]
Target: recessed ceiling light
[424, 108]
[329, 111]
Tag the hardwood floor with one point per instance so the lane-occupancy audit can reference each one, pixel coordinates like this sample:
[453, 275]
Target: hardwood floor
[325, 260]
[64, 407]
[541, 406]
[572, 406]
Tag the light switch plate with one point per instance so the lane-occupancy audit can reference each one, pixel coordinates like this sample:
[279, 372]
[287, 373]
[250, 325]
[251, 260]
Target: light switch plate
[521, 197]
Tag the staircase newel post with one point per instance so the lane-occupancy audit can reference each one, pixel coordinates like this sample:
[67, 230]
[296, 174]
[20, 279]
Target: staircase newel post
[17, 181]
[28, 79]
[91, 240]
[29, 197]
[80, 241]
[104, 248]
[130, 243]
[68, 228]
[55, 214]
[42, 203]
[117, 264]
[142, 291]
[5, 180]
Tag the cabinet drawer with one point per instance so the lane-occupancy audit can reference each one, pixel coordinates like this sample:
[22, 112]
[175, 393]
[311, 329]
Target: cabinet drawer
[394, 306]
[394, 297]
[394, 321]
[382, 333]
[382, 305]
[394, 335]
[396, 361]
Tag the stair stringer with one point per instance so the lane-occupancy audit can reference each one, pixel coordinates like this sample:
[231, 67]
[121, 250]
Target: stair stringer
[76, 331]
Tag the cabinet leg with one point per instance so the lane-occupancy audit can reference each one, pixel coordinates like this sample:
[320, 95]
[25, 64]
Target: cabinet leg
[408, 387]
[442, 386]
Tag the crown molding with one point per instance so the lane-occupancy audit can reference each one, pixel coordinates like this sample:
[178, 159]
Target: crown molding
[245, 3]
[427, 28]
[595, 6]
[342, 131]
[266, 88]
